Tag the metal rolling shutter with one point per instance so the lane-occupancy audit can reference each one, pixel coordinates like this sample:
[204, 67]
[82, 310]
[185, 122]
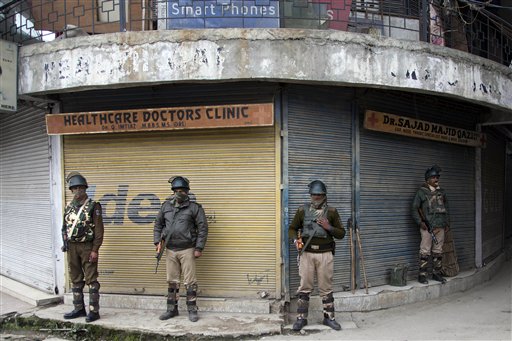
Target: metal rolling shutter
[233, 175]
[26, 244]
[392, 169]
[493, 184]
[319, 137]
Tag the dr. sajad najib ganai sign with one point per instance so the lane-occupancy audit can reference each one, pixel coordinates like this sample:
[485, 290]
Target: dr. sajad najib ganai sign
[400, 125]
[117, 121]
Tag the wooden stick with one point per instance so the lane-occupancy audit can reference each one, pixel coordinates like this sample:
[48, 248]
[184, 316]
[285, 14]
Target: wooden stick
[361, 258]
[352, 257]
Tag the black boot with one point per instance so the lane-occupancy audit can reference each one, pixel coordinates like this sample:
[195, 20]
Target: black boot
[172, 302]
[299, 324]
[331, 323]
[78, 303]
[437, 259]
[92, 316]
[94, 302]
[192, 314]
[170, 313]
[192, 303]
[422, 279]
[302, 311]
[439, 278]
[75, 313]
[328, 305]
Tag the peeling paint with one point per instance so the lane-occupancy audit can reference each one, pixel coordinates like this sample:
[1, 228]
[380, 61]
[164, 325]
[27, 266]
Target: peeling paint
[315, 56]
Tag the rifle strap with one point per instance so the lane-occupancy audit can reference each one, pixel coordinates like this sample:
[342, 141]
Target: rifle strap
[77, 218]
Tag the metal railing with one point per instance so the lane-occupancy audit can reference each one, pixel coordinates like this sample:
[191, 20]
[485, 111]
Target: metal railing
[456, 24]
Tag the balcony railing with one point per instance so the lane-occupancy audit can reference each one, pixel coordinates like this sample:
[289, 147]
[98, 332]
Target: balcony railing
[462, 25]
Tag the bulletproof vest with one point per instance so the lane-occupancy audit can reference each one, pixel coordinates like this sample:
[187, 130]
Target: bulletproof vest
[83, 231]
[436, 202]
[311, 227]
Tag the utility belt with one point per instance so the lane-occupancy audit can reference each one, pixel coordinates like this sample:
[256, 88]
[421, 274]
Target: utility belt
[319, 248]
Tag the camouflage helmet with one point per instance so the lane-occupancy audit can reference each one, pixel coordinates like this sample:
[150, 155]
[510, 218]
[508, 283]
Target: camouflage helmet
[317, 187]
[76, 179]
[435, 170]
[179, 182]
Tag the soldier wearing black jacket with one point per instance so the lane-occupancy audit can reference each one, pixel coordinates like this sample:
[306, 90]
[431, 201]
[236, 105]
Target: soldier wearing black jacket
[184, 222]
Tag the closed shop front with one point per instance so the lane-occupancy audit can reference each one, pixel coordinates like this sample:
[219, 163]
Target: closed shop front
[392, 168]
[493, 194]
[319, 147]
[27, 239]
[232, 172]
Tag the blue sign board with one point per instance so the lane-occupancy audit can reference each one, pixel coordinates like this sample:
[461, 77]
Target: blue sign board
[222, 13]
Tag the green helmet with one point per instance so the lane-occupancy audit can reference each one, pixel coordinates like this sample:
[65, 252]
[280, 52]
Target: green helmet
[435, 170]
[179, 182]
[317, 187]
[76, 180]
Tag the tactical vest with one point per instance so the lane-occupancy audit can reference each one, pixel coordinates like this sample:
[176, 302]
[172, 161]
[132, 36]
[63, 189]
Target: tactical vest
[83, 231]
[310, 226]
[437, 212]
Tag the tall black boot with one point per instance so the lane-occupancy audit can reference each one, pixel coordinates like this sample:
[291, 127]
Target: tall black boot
[192, 303]
[172, 302]
[302, 311]
[328, 305]
[422, 277]
[437, 259]
[94, 302]
[78, 303]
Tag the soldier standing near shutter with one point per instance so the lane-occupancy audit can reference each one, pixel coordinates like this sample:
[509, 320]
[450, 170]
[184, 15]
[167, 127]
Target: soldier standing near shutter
[431, 200]
[182, 223]
[318, 224]
[82, 234]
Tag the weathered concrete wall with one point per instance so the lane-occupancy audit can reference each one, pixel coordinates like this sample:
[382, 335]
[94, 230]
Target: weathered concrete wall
[307, 56]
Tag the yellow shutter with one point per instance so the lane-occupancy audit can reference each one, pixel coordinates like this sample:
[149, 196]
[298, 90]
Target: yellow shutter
[232, 172]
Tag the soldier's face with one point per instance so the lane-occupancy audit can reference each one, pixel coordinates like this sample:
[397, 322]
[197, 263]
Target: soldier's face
[433, 181]
[78, 192]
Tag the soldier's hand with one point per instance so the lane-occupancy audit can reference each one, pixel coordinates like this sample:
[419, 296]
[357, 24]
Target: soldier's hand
[423, 226]
[158, 247]
[93, 257]
[299, 244]
[324, 223]
[197, 253]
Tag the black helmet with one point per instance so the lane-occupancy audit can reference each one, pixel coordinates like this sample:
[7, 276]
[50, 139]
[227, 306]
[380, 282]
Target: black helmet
[179, 182]
[435, 170]
[76, 179]
[317, 187]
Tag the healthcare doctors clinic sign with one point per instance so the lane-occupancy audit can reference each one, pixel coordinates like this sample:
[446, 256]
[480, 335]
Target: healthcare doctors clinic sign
[180, 14]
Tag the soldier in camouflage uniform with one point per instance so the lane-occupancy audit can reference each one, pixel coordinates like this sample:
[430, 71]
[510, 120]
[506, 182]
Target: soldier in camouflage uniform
[82, 234]
[320, 224]
[431, 201]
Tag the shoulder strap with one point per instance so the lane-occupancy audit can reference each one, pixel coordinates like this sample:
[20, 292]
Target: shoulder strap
[78, 215]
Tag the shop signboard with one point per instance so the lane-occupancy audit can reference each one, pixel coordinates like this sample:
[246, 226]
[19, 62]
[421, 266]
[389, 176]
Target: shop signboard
[179, 14]
[408, 126]
[196, 117]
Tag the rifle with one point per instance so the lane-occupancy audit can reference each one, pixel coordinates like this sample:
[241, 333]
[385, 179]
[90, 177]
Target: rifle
[429, 227]
[352, 256]
[158, 256]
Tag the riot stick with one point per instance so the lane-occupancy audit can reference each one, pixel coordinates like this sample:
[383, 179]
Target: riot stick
[352, 257]
[361, 257]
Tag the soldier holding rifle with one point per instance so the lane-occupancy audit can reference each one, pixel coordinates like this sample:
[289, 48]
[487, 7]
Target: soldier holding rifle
[181, 227]
[313, 229]
[431, 214]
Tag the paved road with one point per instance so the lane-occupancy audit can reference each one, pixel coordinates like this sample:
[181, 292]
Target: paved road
[481, 313]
